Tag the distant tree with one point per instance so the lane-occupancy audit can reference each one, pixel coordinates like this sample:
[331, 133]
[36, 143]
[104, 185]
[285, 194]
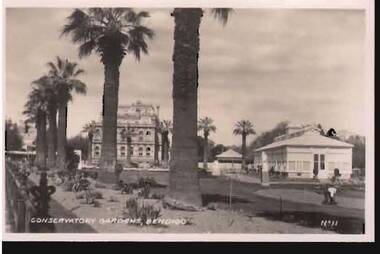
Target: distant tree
[13, 137]
[89, 128]
[165, 127]
[268, 137]
[217, 149]
[79, 143]
[244, 128]
[358, 151]
[206, 125]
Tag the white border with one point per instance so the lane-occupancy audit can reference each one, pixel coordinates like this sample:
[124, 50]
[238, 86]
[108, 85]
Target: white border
[368, 5]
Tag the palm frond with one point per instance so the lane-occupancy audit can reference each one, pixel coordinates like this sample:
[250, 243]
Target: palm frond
[221, 14]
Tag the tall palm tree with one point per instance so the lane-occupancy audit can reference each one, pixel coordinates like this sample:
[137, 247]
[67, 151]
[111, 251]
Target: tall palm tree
[165, 128]
[244, 128]
[126, 135]
[111, 33]
[206, 125]
[46, 84]
[64, 75]
[184, 189]
[89, 128]
[35, 109]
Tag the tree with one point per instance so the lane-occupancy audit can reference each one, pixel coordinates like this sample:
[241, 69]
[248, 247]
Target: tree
[46, 84]
[244, 128]
[165, 128]
[126, 135]
[13, 137]
[64, 75]
[358, 151]
[111, 33]
[184, 189]
[35, 110]
[78, 142]
[206, 125]
[89, 128]
[218, 149]
[268, 137]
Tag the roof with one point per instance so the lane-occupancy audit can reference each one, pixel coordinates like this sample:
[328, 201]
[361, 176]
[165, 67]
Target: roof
[229, 154]
[308, 139]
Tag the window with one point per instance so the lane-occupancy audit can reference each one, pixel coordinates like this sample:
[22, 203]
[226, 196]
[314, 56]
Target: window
[131, 150]
[292, 165]
[148, 151]
[148, 133]
[306, 166]
[299, 165]
[316, 162]
[122, 151]
[141, 151]
[97, 151]
[322, 161]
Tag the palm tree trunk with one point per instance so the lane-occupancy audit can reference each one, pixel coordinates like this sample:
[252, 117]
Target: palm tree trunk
[165, 149]
[62, 123]
[184, 190]
[89, 150]
[52, 137]
[205, 151]
[129, 151]
[41, 140]
[110, 105]
[156, 145]
[243, 150]
[162, 148]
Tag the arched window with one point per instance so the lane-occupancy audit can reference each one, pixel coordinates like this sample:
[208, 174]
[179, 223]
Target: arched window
[147, 151]
[97, 151]
[141, 150]
[122, 151]
[148, 133]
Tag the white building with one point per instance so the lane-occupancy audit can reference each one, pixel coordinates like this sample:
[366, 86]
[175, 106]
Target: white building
[302, 152]
[226, 162]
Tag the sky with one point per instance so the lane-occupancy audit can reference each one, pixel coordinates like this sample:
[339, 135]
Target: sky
[264, 65]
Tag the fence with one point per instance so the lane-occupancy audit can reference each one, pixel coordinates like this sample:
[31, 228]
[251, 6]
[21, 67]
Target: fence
[23, 199]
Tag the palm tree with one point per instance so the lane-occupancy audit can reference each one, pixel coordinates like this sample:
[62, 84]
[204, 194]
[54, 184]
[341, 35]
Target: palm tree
[89, 128]
[111, 33]
[35, 110]
[244, 128]
[126, 135]
[206, 125]
[45, 83]
[165, 128]
[64, 75]
[184, 189]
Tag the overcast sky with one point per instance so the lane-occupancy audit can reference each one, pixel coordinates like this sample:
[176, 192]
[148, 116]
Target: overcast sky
[266, 66]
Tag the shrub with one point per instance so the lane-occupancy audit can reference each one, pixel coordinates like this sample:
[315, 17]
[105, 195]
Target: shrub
[144, 192]
[112, 199]
[68, 185]
[143, 181]
[97, 194]
[156, 196]
[100, 186]
[144, 213]
[126, 188]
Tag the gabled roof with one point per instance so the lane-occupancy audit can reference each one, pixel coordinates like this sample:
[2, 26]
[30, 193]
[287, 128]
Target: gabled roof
[307, 139]
[229, 154]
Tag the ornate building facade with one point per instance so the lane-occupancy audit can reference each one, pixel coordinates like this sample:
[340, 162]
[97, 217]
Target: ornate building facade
[137, 135]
